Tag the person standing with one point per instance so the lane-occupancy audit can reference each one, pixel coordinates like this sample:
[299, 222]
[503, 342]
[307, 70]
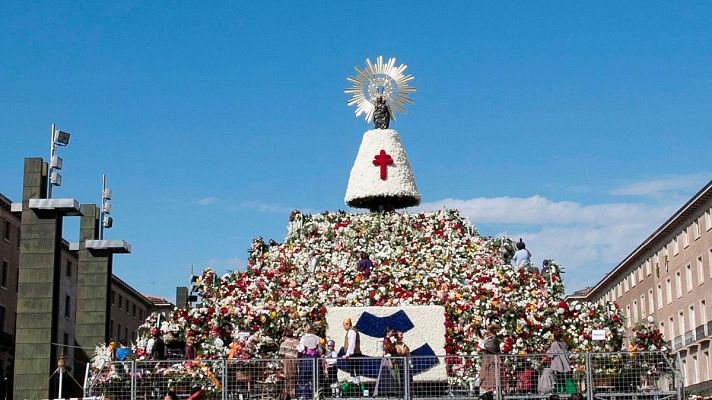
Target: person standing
[288, 352]
[388, 382]
[491, 363]
[559, 361]
[330, 370]
[403, 353]
[123, 351]
[158, 346]
[352, 350]
[365, 265]
[522, 257]
[309, 351]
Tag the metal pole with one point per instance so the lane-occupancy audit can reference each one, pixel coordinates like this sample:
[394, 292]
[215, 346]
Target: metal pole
[51, 168]
[498, 383]
[61, 375]
[133, 379]
[589, 377]
[406, 377]
[223, 387]
[86, 379]
[101, 211]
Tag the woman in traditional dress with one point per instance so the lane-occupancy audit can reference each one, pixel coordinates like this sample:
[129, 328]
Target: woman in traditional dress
[403, 353]
[388, 382]
[309, 350]
[488, 372]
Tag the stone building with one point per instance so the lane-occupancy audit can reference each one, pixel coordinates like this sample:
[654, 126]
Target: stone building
[669, 277]
[128, 309]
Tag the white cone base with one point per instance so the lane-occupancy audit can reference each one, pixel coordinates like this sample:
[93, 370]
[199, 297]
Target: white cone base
[366, 189]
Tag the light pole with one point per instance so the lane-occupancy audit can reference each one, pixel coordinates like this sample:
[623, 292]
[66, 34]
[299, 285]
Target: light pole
[105, 213]
[58, 138]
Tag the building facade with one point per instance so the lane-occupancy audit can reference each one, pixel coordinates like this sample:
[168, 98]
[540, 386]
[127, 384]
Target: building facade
[129, 308]
[668, 278]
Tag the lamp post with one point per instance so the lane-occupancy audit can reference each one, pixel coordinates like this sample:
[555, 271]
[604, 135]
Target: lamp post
[105, 213]
[58, 138]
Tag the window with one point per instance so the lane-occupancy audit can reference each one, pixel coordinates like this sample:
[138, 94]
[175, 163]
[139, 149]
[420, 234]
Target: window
[696, 229]
[627, 315]
[678, 284]
[118, 333]
[69, 269]
[66, 339]
[111, 327]
[626, 284]
[708, 219]
[668, 289]
[706, 363]
[126, 333]
[620, 286]
[660, 296]
[651, 303]
[640, 273]
[691, 317]
[681, 323]
[685, 239]
[703, 312]
[121, 302]
[696, 367]
[128, 305]
[642, 306]
[2, 319]
[67, 306]
[662, 330]
[5, 271]
[671, 328]
[647, 268]
[632, 279]
[700, 271]
[113, 297]
[675, 247]
[688, 277]
[134, 311]
[140, 314]
[6, 233]
[666, 262]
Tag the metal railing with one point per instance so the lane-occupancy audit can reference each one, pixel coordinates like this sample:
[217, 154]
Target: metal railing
[595, 376]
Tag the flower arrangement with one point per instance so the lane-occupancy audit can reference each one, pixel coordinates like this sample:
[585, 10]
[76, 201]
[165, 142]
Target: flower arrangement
[435, 258]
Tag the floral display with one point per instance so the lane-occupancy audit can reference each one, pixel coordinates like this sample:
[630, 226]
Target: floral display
[647, 337]
[435, 258]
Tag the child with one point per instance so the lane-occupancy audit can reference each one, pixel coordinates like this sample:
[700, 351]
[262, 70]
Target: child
[330, 370]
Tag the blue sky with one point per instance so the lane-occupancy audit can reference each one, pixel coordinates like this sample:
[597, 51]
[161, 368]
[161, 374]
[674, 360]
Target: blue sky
[578, 126]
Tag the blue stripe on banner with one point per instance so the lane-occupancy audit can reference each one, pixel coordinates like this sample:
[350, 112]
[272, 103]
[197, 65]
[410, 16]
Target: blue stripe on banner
[374, 326]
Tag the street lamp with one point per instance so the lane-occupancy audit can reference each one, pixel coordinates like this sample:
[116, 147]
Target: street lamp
[58, 139]
[105, 212]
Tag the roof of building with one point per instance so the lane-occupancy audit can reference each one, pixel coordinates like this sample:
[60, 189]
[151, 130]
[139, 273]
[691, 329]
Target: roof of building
[126, 287]
[158, 301]
[653, 240]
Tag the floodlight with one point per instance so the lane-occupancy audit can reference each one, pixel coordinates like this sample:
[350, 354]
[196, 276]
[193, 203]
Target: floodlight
[107, 194]
[56, 162]
[56, 178]
[108, 222]
[106, 208]
[61, 138]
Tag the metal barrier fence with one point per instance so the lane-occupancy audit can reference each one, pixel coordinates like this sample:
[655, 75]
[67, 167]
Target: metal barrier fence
[594, 376]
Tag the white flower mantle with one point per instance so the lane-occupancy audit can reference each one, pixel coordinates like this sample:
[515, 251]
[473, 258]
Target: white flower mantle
[365, 179]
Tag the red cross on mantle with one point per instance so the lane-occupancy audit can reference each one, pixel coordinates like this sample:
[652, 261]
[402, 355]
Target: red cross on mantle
[382, 159]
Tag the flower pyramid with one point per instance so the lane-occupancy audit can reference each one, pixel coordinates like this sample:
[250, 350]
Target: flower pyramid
[435, 258]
